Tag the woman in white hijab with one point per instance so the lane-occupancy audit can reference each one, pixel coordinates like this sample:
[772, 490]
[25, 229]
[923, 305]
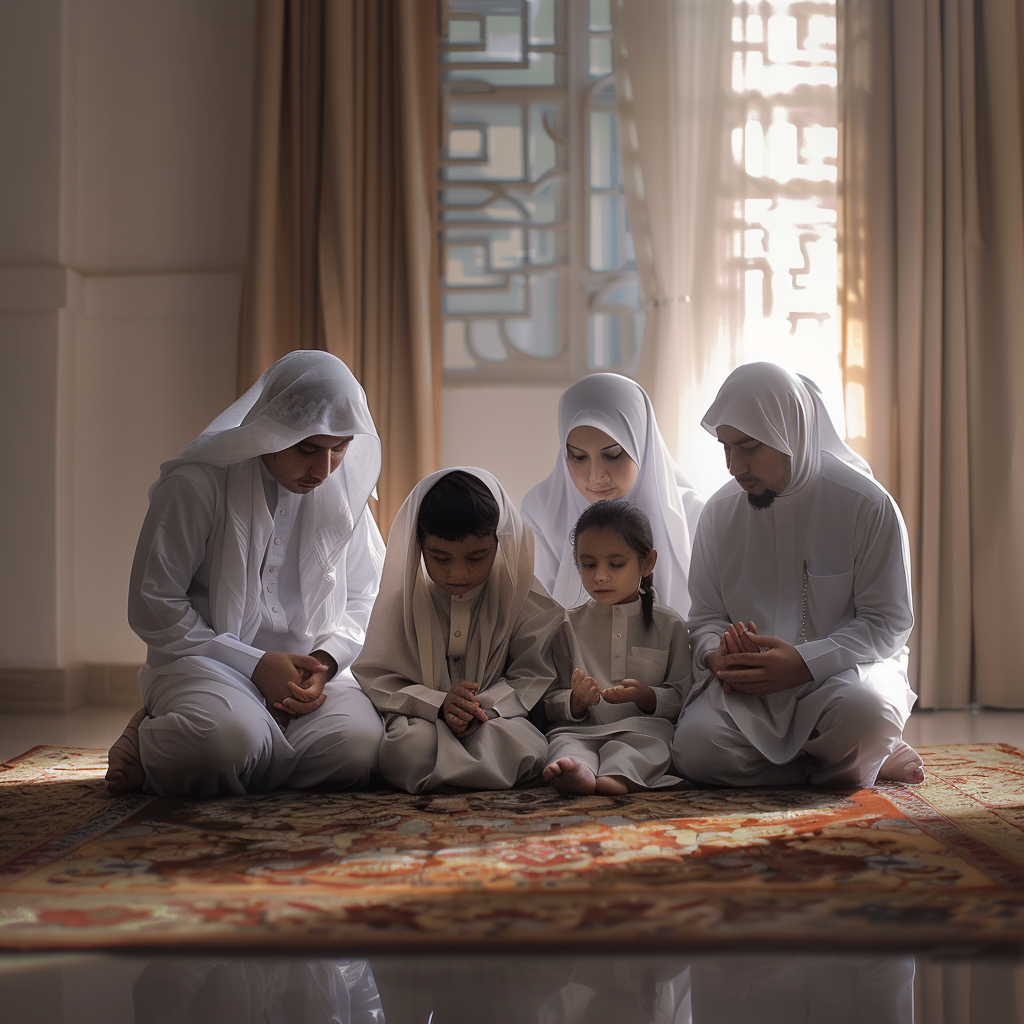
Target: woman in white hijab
[459, 646]
[610, 447]
[253, 579]
[800, 582]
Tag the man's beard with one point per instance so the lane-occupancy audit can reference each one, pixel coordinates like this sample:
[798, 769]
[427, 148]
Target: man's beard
[763, 500]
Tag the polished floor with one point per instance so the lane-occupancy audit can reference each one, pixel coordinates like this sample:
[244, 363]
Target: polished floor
[965, 986]
[553, 989]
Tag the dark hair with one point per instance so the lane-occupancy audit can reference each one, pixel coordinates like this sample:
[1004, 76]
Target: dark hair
[629, 521]
[458, 505]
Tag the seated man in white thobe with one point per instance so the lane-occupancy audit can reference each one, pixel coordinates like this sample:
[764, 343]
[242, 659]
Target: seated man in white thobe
[252, 584]
[801, 607]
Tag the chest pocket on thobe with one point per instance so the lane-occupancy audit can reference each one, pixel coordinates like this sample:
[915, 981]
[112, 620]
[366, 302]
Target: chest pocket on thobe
[829, 602]
[647, 665]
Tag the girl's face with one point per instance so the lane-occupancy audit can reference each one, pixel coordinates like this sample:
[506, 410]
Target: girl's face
[610, 569]
[599, 465]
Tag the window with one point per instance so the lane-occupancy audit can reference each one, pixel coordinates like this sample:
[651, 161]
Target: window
[784, 139]
[538, 276]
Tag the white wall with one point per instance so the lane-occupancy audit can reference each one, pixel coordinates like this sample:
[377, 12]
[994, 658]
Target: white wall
[123, 204]
[511, 431]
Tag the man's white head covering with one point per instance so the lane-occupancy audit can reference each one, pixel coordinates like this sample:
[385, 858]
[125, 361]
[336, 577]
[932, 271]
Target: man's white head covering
[404, 634]
[784, 411]
[619, 407]
[304, 393]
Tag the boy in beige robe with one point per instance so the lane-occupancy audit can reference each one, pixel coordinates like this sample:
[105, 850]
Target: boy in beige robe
[459, 646]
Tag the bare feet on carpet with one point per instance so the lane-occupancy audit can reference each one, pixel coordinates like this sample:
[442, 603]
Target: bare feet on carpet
[125, 773]
[567, 775]
[903, 765]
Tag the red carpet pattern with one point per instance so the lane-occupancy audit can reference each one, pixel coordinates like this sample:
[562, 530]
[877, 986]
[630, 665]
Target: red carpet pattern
[892, 867]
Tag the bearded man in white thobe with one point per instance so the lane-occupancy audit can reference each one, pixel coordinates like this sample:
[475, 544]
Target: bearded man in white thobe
[801, 605]
[253, 579]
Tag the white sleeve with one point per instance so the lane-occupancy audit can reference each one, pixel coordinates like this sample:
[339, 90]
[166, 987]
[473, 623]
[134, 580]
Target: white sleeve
[672, 693]
[881, 596]
[362, 564]
[708, 617]
[172, 546]
[530, 665]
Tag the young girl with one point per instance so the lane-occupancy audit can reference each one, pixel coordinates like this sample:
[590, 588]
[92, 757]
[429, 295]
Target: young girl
[632, 664]
[458, 649]
[610, 447]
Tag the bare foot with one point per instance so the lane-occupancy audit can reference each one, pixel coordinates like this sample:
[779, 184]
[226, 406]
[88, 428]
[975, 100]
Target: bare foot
[903, 765]
[125, 773]
[567, 775]
[611, 785]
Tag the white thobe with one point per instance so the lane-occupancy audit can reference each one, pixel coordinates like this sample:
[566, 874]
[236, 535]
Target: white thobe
[209, 731]
[619, 739]
[824, 568]
[420, 752]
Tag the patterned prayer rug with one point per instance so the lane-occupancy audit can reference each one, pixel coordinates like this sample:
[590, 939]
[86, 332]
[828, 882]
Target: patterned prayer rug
[894, 867]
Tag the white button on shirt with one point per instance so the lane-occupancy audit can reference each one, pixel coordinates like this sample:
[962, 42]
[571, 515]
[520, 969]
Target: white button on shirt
[276, 616]
[461, 611]
[620, 625]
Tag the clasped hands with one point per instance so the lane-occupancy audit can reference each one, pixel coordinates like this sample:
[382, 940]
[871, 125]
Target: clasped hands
[461, 708]
[293, 684]
[586, 692]
[754, 664]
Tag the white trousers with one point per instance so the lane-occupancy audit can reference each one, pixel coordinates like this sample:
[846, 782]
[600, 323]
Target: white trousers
[854, 729]
[209, 733]
[641, 755]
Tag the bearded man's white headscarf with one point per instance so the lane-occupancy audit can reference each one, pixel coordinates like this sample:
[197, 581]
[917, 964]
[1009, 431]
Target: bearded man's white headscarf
[784, 411]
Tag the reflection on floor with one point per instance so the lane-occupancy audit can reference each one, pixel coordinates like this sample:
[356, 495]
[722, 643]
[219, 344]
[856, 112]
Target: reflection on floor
[967, 988]
[556, 989]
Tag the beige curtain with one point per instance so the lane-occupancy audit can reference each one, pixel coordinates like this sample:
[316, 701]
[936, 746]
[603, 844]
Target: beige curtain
[343, 251]
[932, 256]
[671, 66]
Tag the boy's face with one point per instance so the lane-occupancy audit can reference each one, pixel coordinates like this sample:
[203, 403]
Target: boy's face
[306, 465]
[459, 566]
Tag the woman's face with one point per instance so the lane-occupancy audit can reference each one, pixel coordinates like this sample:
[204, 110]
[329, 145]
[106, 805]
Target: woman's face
[599, 465]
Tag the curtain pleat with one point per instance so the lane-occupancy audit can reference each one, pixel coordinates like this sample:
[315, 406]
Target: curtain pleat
[932, 253]
[343, 251]
[670, 69]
